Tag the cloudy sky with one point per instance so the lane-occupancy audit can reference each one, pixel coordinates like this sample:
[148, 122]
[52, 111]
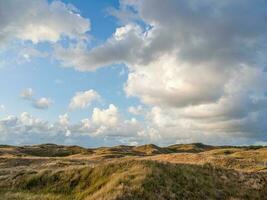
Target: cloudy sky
[101, 73]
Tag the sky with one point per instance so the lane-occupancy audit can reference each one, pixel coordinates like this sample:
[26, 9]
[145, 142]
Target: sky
[103, 73]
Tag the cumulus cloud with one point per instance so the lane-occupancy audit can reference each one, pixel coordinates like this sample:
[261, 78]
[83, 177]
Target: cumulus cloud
[27, 129]
[101, 125]
[42, 103]
[207, 32]
[136, 110]
[64, 122]
[27, 53]
[199, 64]
[39, 21]
[167, 82]
[107, 117]
[115, 50]
[83, 99]
[108, 123]
[24, 123]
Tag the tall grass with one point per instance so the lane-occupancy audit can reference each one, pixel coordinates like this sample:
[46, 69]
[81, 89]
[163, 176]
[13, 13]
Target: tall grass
[133, 180]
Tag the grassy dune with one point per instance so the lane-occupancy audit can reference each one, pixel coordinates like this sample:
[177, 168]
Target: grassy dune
[149, 172]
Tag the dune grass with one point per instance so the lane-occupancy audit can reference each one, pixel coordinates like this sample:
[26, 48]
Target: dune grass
[149, 172]
[133, 180]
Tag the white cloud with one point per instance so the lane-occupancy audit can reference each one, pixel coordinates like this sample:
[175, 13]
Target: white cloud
[107, 117]
[109, 123]
[234, 39]
[115, 50]
[38, 21]
[27, 53]
[25, 129]
[199, 64]
[42, 103]
[28, 120]
[27, 93]
[64, 120]
[24, 123]
[167, 82]
[138, 110]
[83, 99]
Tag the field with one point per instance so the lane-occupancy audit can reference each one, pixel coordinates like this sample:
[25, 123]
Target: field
[184, 171]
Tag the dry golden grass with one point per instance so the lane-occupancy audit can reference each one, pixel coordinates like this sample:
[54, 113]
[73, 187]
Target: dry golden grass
[193, 171]
[231, 158]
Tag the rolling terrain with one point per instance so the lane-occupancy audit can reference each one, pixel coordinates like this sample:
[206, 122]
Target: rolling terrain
[182, 171]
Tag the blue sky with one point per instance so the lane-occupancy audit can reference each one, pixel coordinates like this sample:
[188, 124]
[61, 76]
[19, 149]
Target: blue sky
[112, 72]
[50, 80]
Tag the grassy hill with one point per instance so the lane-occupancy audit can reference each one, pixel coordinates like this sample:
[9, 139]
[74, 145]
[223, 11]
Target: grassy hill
[53, 150]
[192, 171]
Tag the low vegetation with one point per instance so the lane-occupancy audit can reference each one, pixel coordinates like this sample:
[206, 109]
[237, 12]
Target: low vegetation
[193, 171]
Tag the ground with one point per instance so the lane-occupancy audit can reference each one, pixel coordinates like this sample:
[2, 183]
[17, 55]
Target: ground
[184, 171]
